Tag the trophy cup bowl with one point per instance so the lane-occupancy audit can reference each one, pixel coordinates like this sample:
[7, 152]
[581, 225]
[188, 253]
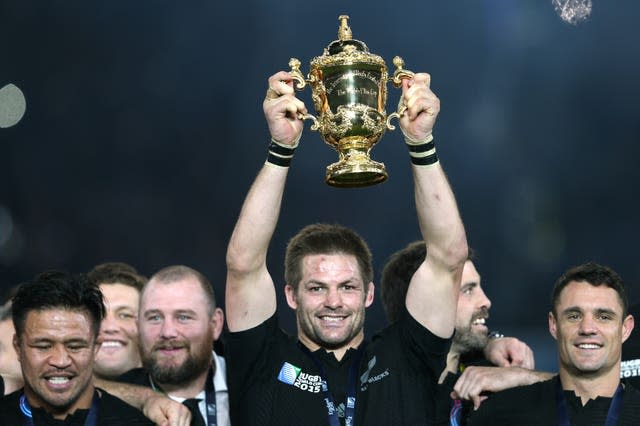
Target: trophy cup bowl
[349, 93]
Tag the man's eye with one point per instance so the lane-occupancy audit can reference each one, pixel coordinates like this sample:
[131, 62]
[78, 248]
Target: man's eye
[126, 316]
[76, 348]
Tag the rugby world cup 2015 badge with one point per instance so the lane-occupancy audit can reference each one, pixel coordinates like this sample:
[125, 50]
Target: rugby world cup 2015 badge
[292, 375]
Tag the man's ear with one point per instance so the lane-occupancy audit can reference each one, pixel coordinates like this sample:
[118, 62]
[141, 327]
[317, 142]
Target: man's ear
[290, 294]
[627, 327]
[217, 320]
[553, 325]
[371, 290]
[16, 344]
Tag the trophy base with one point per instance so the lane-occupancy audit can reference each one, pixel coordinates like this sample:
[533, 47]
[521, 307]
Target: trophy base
[355, 174]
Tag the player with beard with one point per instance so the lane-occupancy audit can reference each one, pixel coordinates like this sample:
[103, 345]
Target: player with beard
[472, 345]
[178, 325]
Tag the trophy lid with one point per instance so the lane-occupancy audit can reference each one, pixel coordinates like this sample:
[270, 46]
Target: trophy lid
[345, 38]
[346, 50]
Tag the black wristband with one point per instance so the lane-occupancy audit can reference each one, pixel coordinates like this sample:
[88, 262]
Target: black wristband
[423, 153]
[280, 155]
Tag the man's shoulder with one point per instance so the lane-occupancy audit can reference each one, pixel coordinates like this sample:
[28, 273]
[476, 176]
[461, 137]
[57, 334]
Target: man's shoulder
[516, 406]
[10, 401]
[632, 393]
[137, 376]
[114, 411]
[538, 389]
[10, 409]
[408, 332]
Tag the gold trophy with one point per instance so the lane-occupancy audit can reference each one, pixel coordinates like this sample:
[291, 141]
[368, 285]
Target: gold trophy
[349, 93]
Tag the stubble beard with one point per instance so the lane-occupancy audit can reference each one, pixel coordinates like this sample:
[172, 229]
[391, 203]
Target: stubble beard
[467, 340]
[316, 335]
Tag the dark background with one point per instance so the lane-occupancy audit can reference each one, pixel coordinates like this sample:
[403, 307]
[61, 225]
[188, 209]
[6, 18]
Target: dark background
[144, 130]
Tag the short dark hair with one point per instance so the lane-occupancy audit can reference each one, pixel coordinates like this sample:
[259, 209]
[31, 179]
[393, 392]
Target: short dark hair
[117, 273]
[594, 274]
[175, 273]
[58, 290]
[322, 238]
[396, 276]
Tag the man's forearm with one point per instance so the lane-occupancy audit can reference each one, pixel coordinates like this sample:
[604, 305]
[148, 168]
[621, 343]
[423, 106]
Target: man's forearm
[132, 394]
[250, 296]
[257, 221]
[438, 217]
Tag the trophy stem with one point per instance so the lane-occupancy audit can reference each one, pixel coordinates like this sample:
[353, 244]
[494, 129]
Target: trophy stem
[355, 170]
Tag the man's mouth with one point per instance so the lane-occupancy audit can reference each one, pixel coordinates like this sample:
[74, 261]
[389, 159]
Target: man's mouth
[112, 344]
[332, 320]
[589, 345]
[170, 347]
[58, 381]
[479, 321]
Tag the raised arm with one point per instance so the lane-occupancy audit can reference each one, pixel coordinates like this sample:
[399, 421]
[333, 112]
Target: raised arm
[433, 292]
[250, 296]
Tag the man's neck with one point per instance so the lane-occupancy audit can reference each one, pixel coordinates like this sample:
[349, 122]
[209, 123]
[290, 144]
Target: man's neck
[82, 403]
[590, 387]
[337, 352]
[190, 389]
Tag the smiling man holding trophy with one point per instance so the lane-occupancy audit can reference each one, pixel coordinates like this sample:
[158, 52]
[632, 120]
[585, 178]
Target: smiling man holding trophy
[328, 373]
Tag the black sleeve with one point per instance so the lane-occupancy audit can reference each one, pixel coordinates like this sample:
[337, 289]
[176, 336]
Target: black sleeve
[244, 351]
[115, 412]
[137, 376]
[1, 385]
[430, 350]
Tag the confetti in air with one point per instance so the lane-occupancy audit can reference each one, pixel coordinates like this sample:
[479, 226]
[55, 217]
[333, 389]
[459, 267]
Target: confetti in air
[572, 11]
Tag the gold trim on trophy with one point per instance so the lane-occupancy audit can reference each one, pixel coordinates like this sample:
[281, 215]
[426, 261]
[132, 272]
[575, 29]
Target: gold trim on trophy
[349, 94]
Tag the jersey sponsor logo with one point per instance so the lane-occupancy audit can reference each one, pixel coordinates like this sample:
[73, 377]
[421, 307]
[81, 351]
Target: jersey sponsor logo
[294, 376]
[630, 368]
[366, 379]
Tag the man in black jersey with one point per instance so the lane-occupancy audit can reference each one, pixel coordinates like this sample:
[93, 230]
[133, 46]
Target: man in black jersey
[328, 373]
[589, 321]
[57, 320]
[472, 347]
[630, 367]
[10, 373]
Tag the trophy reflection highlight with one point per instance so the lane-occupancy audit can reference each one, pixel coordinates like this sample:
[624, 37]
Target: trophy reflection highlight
[349, 93]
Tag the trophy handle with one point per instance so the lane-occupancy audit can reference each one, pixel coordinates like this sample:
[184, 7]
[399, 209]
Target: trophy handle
[299, 82]
[398, 75]
[316, 123]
